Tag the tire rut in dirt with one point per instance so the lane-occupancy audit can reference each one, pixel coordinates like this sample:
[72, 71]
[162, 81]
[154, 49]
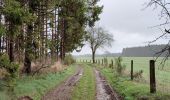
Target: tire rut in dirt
[63, 91]
[104, 90]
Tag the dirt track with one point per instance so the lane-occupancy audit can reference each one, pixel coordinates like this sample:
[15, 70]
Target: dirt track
[63, 92]
[103, 89]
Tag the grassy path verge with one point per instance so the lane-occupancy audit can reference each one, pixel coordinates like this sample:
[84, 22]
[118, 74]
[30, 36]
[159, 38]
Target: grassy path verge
[37, 86]
[131, 90]
[86, 87]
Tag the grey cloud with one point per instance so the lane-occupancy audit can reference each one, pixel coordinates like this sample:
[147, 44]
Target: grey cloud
[129, 24]
[128, 16]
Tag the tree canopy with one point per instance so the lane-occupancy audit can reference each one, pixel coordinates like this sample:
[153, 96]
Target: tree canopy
[33, 30]
[98, 37]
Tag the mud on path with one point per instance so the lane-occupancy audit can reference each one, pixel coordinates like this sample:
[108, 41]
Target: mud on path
[103, 89]
[63, 91]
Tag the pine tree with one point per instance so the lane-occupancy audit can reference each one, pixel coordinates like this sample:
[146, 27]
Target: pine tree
[39, 29]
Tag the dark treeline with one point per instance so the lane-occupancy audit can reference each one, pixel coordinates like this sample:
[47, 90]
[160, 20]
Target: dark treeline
[44, 29]
[146, 51]
[143, 51]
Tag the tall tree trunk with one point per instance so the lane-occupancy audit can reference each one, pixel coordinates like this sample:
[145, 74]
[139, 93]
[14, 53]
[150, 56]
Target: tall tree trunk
[7, 44]
[6, 38]
[55, 33]
[46, 31]
[42, 32]
[0, 45]
[62, 41]
[3, 43]
[28, 50]
[61, 46]
[64, 37]
[27, 64]
[58, 33]
[53, 39]
[93, 56]
[11, 42]
[0, 36]
[11, 49]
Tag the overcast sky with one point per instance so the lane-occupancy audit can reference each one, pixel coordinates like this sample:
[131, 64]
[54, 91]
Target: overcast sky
[129, 23]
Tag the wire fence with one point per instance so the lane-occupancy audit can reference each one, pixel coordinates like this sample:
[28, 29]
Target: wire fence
[162, 72]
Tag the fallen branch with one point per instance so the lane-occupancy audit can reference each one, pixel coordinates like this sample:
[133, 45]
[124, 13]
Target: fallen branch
[38, 70]
[1, 84]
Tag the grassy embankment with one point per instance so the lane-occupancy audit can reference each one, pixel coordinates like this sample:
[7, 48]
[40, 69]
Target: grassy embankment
[142, 63]
[85, 88]
[37, 86]
[131, 90]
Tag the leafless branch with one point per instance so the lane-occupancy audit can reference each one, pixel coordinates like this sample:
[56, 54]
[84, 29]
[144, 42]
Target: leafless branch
[38, 70]
[164, 13]
[157, 38]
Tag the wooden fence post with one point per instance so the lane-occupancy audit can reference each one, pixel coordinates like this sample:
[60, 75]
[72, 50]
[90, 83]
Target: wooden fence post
[112, 63]
[102, 61]
[106, 62]
[131, 70]
[152, 77]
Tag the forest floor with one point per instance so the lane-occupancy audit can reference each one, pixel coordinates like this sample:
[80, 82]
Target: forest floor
[78, 84]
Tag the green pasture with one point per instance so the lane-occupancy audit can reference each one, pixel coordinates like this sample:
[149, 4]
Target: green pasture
[142, 63]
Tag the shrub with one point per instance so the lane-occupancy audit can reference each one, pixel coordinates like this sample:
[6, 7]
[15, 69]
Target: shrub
[118, 65]
[69, 59]
[10, 69]
[138, 74]
[111, 65]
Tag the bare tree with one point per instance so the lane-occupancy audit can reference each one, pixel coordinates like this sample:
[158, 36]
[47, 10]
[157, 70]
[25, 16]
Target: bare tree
[98, 37]
[163, 5]
[165, 16]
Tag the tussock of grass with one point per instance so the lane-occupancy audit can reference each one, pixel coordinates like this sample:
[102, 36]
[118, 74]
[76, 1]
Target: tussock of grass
[3, 96]
[37, 86]
[129, 89]
[85, 89]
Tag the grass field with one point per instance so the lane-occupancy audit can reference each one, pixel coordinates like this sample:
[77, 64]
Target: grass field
[142, 63]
